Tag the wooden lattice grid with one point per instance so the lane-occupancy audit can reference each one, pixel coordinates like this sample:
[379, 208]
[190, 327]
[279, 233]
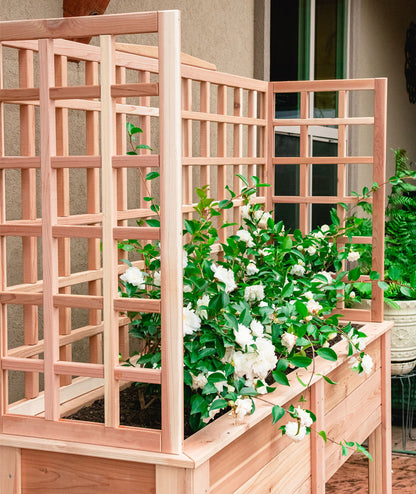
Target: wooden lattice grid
[232, 109]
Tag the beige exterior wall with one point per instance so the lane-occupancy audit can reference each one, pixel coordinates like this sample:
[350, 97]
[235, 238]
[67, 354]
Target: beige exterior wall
[378, 34]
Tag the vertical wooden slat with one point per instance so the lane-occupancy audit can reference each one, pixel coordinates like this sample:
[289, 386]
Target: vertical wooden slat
[64, 244]
[171, 231]
[341, 167]
[237, 149]
[145, 138]
[269, 104]
[93, 206]
[379, 201]
[122, 195]
[304, 168]
[49, 218]
[3, 265]
[379, 442]
[108, 180]
[28, 187]
[187, 143]
[205, 131]
[221, 152]
[10, 470]
[317, 443]
[252, 134]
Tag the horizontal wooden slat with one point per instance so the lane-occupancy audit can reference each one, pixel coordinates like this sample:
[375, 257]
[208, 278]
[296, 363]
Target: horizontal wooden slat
[94, 91]
[323, 85]
[355, 315]
[22, 364]
[355, 240]
[19, 94]
[138, 374]
[79, 301]
[137, 305]
[13, 162]
[79, 369]
[291, 122]
[21, 298]
[136, 233]
[69, 231]
[139, 161]
[323, 160]
[201, 161]
[214, 117]
[80, 27]
[316, 199]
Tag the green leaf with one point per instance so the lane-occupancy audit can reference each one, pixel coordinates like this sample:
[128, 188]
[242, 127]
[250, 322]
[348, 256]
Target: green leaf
[152, 175]
[300, 361]
[334, 217]
[344, 450]
[136, 130]
[323, 435]
[219, 403]
[143, 146]
[243, 179]
[395, 273]
[280, 378]
[277, 413]
[354, 274]
[287, 290]
[383, 285]
[328, 380]
[327, 354]
[406, 291]
[301, 308]
[362, 450]
[282, 364]
[300, 380]
[216, 377]
[287, 243]
[153, 223]
[198, 404]
[127, 262]
[374, 275]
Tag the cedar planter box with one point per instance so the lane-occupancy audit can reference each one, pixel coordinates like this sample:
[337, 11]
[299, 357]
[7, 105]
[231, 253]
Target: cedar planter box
[225, 458]
[40, 451]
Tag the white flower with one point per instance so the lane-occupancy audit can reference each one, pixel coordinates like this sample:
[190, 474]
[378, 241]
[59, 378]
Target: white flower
[304, 416]
[353, 256]
[203, 301]
[325, 228]
[311, 250]
[243, 407]
[266, 358]
[254, 293]
[257, 328]
[297, 270]
[246, 237]
[352, 294]
[252, 269]
[288, 340]
[225, 276]
[219, 384]
[308, 318]
[295, 431]
[243, 336]
[367, 363]
[134, 276]
[308, 295]
[199, 381]
[187, 288]
[318, 235]
[245, 212]
[184, 259]
[156, 278]
[313, 307]
[300, 248]
[212, 414]
[353, 361]
[191, 322]
[262, 218]
[263, 304]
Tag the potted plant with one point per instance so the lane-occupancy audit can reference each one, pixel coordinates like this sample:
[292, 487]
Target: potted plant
[399, 280]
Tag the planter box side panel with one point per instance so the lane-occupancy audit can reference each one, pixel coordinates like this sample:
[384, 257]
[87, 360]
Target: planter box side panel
[50, 472]
[261, 449]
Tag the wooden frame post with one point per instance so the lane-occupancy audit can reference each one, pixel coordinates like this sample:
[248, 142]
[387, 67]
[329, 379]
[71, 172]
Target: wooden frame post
[171, 231]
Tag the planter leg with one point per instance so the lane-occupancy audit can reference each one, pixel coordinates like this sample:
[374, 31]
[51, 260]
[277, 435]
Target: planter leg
[197, 480]
[10, 471]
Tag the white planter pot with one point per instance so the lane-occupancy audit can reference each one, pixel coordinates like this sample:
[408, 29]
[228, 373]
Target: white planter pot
[403, 334]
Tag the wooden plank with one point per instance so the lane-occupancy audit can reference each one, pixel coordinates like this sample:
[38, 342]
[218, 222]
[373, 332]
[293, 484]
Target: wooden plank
[108, 180]
[138, 305]
[83, 432]
[11, 471]
[323, 85]
[269, 106]
[238, 149]
[222, 152]
[324, 160]
[222, 118]
[379, 200]
[252, 132]
[28, 189]
[49, 218]
[19, 94]
[170, 479]
[187, 188]
[22, 364]
[79, 27]
[94, 91]
[52, 472]
[171, 235]
[145, 138]
[221, 161]
[317, 443]
[315, 199]
[79, 369]
[137, 374]
[305, 121]
[304, 209]
[19, 162]
[197, 479]
[153, 52]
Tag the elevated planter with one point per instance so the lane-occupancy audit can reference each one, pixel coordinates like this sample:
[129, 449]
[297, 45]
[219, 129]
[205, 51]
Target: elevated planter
[225, 458]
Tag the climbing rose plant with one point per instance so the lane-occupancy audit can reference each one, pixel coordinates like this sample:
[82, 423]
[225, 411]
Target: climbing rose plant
[264, 306]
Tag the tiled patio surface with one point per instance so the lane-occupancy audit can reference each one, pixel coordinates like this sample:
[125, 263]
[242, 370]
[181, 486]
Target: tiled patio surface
[352, 478]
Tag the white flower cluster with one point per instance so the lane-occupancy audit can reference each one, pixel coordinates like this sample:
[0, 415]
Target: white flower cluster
[225, 276]
[313, 307]
[366, 363]
[298, 269]
[252, 268]
[243, 407]
[288, 340]
[297, 430]
[254, 293]
[191, 321]
[134, 276]
[262, 218]
[353, 256]
[203, 301]
[327, 275]
[245, 237]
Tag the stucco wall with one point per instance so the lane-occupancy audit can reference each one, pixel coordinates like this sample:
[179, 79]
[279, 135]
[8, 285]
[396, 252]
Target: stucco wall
[378, 37]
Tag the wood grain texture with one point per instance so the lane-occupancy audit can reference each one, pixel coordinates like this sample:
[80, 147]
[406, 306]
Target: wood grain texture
[10, 471]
